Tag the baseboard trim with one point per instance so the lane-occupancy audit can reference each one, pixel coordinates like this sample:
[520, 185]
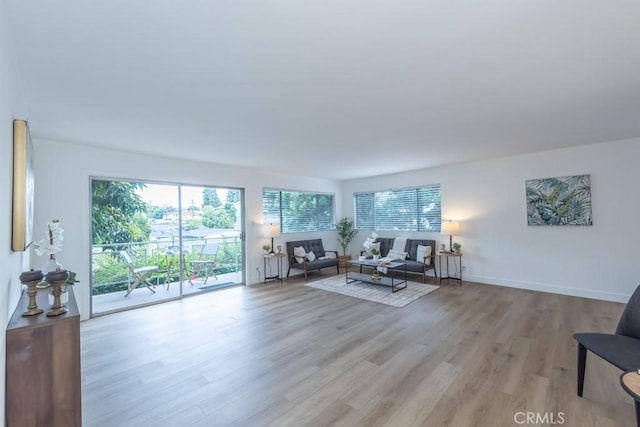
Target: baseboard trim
[553, 289]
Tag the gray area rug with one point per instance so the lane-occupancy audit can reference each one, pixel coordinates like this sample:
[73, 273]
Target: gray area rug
[375, 293]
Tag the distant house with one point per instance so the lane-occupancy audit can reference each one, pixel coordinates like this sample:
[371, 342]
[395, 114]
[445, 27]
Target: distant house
[202, 233]
[186, 214]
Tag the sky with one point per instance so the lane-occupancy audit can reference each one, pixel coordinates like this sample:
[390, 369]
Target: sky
[167, 195]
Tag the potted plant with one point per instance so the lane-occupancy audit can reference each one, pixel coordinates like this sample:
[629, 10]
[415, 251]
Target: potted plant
[266, 247]
[376, 253]
[456, 247]
[346, 233]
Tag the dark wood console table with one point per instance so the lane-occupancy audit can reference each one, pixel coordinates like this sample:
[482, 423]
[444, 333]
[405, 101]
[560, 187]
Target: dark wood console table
[43, 376]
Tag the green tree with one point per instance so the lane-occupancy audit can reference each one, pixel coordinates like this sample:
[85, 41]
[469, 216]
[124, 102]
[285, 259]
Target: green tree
[114, 204]
[210, 198]
[208, 216]
[298, 211]
[192, 224]
[218, 217]
[139, 227]
[230, 209]
[233, 196]
[396, 210]
[307, 211]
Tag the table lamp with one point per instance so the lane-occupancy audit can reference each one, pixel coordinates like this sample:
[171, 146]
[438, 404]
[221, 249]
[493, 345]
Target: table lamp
[271, 230]
[451, 229]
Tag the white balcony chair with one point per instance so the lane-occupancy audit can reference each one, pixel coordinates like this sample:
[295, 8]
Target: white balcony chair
[204, 263]
[141, 274]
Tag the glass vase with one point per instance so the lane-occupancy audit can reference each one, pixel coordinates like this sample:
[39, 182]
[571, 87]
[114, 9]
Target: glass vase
[51, 265]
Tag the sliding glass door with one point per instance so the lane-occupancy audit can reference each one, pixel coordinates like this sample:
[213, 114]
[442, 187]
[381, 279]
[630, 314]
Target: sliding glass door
[211, 238]
[157, 242]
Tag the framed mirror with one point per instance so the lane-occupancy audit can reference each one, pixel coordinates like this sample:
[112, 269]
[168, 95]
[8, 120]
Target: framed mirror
[22, 225]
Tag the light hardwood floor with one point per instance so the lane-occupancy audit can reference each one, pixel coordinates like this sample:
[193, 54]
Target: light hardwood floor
[289, 355]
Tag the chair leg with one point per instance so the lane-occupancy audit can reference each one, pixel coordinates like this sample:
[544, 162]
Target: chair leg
[131, 287]
[637, 413]
[150, 286]
[145, 281]
[140, 280]
[582, 361]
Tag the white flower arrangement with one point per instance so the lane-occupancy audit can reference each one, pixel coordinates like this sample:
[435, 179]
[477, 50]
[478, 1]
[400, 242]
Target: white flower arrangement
[50, 247]
[370, 244]
[53, 244]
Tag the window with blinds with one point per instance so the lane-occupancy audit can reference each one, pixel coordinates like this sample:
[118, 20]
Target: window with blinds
[297, 211]
[407, 209]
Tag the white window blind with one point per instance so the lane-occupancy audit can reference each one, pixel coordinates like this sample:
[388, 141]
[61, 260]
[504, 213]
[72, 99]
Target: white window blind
[408, 209]
[297, 211]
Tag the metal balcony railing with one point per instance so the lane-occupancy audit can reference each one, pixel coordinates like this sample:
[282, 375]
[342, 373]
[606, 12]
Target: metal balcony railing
[109, 270]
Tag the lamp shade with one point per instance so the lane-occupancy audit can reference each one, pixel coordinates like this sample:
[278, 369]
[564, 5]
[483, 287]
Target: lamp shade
[271, 230]
[450, 228]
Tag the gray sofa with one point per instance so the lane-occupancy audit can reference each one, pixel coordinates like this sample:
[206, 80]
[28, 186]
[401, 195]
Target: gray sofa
[411, 248]
[315, 246]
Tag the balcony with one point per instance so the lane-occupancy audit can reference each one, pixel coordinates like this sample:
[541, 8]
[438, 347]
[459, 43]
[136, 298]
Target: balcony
[175, 276]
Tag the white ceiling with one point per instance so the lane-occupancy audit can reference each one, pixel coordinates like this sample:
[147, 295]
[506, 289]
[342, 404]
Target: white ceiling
[330, 88]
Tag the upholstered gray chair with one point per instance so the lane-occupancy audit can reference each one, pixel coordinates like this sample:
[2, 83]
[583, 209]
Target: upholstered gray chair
[621, 349]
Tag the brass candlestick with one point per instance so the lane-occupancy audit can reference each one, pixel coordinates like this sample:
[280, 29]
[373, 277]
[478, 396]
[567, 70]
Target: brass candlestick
[56, 279]
[31, 279]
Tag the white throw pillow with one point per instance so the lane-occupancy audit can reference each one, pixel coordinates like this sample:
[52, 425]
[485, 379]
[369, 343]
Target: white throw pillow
[300, 254]
[422, 253]
[396, 255]
[311, 256]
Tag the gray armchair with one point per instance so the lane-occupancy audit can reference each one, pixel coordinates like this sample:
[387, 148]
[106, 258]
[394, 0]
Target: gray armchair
[315, 246]
[621, 349]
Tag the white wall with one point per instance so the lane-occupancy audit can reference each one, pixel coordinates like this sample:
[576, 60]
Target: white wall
[11, 263]
[488, 198]
[62, 191]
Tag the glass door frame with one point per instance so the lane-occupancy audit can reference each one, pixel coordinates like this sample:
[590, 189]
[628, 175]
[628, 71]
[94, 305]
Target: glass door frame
[183, 279]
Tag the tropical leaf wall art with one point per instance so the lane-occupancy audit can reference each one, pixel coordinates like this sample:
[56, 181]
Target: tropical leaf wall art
[564, 200]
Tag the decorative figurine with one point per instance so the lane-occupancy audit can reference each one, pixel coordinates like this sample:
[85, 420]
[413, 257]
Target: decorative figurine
[31, 279]
[56, 279]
